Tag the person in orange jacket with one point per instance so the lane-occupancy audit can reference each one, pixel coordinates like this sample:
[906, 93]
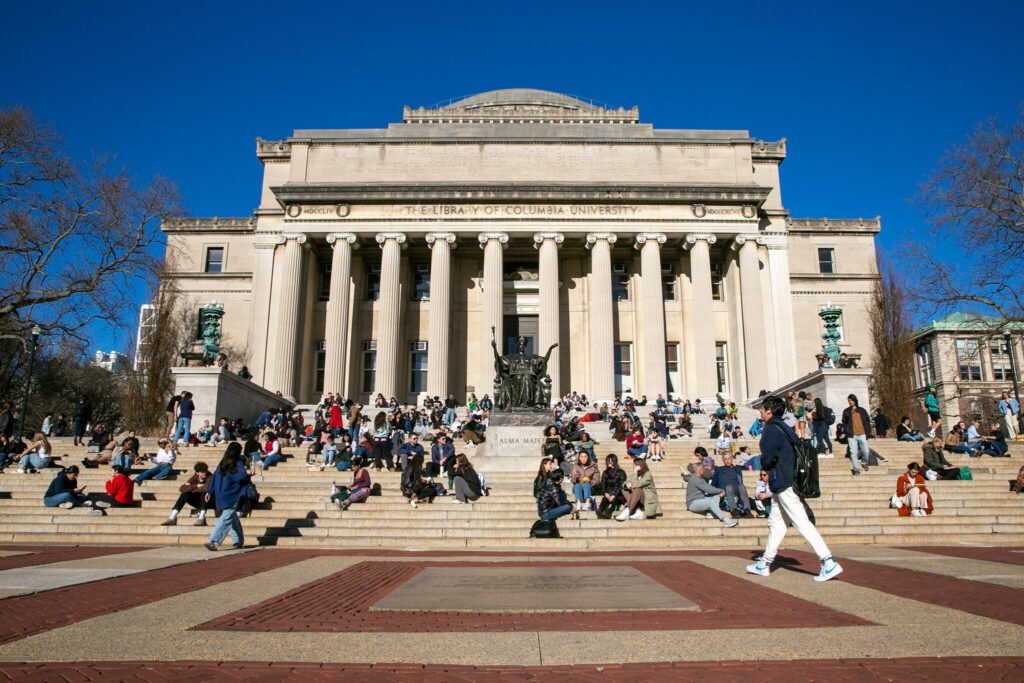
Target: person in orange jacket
[912, 494]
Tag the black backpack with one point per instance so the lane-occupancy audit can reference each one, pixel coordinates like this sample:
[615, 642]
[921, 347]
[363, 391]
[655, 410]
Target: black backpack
[805, 468]
[544, 529]
[375, 490]
[830, 416]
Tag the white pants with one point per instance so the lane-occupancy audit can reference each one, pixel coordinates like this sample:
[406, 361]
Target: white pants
[1011, 425]
[787, 507]
[916, 499]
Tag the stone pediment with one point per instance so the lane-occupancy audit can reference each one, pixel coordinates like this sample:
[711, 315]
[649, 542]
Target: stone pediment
[520, 105]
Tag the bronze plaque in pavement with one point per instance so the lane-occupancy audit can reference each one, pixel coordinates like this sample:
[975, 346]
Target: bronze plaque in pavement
[532, 589]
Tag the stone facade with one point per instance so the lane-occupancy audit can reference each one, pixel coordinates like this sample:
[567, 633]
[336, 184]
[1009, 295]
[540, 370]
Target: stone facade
[658, 260]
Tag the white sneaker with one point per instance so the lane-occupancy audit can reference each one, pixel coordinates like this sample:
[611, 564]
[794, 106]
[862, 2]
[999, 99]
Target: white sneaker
[639, 514]
[730, 523]
[412, 503]
[761, 568]
[708, 515]
[931, 434]
[101, 504]
[67, 505]
[829, 570]
[20, 470]
[622, 516]
[918, 513]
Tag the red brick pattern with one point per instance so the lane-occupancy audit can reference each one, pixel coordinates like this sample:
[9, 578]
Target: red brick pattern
[343, 600]
[974, 597]
[30, 614]
[1004, 554]
[48, 554]
[965, 669]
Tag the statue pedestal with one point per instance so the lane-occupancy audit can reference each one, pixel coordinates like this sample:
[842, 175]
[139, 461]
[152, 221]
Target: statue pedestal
[515, 434]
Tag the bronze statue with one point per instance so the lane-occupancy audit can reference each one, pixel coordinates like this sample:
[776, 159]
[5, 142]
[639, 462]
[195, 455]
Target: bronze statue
[521, 381]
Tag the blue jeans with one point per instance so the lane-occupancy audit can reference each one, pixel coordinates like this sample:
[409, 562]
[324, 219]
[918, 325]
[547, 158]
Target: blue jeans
[184, 430]
[581, 491]
[66, 497]
[858, 444]
[958, 449]
[124, 460]
[343, 465]
[824, 443]
[555, 513]
[268, 461]
[158, 472]
[228, 521]
[911, 437]
[449, 415]
[33, 460]
[638, 452]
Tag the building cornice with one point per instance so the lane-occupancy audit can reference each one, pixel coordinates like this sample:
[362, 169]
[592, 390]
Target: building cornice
[869, 226]
[525, 193]
[215, 224]
[774, 152]
[273, 150]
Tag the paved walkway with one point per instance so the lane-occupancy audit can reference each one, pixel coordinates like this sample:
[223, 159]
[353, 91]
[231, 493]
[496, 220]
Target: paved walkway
[93, 613]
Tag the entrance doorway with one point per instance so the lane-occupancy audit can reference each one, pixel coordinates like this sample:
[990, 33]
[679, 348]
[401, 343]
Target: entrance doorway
[521, 326]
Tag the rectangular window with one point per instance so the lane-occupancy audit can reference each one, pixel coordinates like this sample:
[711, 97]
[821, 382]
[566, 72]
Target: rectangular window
[620, 282]
[672, 368]
[372, 286]
[924, 364]
[623, 368]
[668, 287]
[214, 260]
[418, 367]
[826, 260]
[969, 359]
[721, 365]
[1002, 370]
[325, 281]
[421, 283]
[369, 366]
[717, 290]
[321, 365]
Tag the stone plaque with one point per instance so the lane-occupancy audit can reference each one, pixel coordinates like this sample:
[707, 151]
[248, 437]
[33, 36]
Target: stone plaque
[515, 434]
[532, 589]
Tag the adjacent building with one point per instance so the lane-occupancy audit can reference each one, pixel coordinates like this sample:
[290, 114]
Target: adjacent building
[971, 359]
[659, 261]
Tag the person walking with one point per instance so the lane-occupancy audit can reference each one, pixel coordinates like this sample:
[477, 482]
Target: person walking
[857, 424]
[779, 460]
[226, 488]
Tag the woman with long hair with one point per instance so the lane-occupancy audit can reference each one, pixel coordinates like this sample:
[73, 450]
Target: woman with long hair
[381, 439]
[467, 481]
[641, 495]
[227, 487]
[546, 465]
[585, 476]
[819, 420]
[38, 455]
[613, 479]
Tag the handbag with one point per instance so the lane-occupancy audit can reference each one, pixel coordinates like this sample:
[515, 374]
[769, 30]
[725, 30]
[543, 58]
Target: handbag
[965, 474]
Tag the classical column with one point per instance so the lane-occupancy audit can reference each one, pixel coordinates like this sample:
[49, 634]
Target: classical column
[753, 314]
[602, 339]
[653, 306]
[703, 342]
[547, 244]
[388, 312]
[262, 284]
[492, 243]
[285, 328]
[336, 329]
[778, 264]
[441, 244]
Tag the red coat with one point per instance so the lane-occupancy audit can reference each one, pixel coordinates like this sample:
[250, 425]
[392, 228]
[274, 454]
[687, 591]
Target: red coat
[335, 416]
[122, 489]
[904, 484]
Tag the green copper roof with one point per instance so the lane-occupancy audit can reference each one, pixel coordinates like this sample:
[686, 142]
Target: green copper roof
[966, 322]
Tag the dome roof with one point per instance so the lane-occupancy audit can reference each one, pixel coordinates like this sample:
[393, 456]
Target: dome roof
[520, 105]
[521, 97]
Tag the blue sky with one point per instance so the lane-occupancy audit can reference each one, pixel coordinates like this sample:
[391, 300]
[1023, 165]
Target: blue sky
[868, 94]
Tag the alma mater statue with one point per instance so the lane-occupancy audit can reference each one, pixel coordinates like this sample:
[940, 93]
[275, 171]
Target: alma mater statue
[521, 379]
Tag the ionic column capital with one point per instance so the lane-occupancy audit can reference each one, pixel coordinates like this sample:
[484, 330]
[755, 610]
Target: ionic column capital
[644, 237]
[692, 238]
[448, 237]
[334, 237]
[540, 237]
[299, 237]
[739, 240]
[592, 238]
[485, 237]
[383, 237]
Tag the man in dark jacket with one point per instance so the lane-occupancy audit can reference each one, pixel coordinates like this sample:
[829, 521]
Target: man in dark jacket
[729, 478]
[857, 424]
[779, 460]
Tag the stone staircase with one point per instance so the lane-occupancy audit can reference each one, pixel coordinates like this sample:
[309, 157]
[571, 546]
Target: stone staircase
[851, 510]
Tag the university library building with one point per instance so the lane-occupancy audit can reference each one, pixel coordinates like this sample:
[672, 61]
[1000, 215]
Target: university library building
[659, 261]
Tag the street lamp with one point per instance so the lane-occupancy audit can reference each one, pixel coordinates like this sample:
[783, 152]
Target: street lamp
[36, 331]
[1013, 370]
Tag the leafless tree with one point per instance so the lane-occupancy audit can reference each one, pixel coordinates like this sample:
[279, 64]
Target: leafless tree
[73, 237]
[975, 203]
[891, 323]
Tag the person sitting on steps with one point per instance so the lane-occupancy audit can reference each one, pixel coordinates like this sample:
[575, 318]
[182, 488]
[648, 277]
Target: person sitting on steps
[703, 497]
[163, 464]
[193, 493]
[585, 476]
[466, 481]
[914, 499]
[613, 481]
[551, 500]
[935, 460]
[641, 495]
[415, 486]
